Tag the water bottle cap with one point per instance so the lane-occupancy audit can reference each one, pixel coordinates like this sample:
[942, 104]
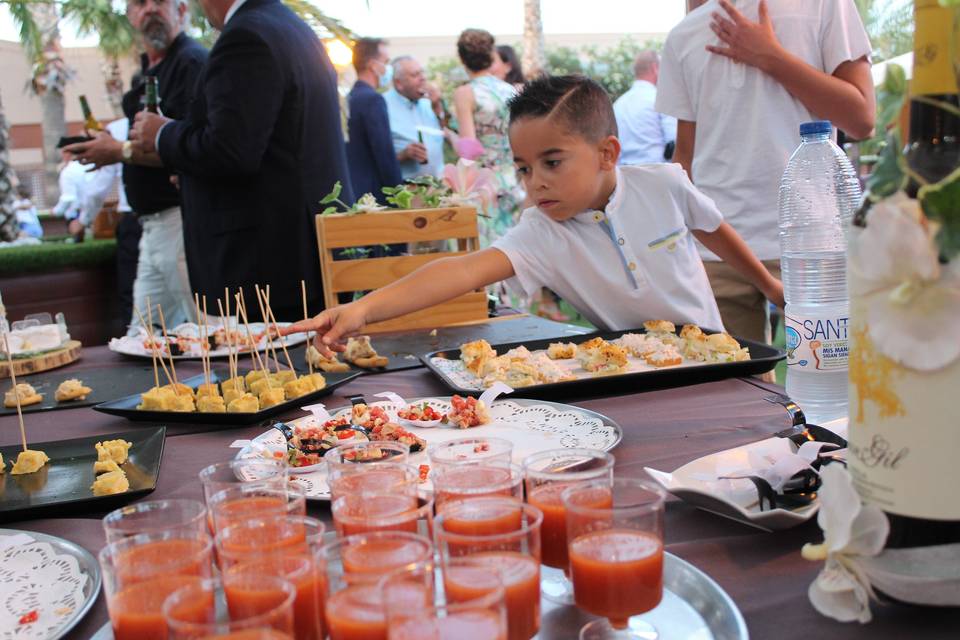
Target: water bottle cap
[816, 127]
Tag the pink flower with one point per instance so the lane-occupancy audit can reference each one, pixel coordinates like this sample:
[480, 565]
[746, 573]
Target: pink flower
[469, 148]
[470, 185]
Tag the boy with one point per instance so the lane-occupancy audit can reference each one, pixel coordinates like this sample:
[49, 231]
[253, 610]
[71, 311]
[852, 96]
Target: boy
[612, 241]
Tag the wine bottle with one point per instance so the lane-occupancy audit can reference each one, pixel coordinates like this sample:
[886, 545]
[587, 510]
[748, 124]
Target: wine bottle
[89, 122]
[903, 457]
[152, 95]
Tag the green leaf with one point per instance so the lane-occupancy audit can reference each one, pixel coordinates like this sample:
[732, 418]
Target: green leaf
[333, 195]
[941, 202]
[889, 175]
[328, 211]
[895, 79]
[389, 191]
[402, 200]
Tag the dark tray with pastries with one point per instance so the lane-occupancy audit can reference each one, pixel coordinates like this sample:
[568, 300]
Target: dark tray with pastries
[110, 382]
[63, 485]
[637, 375]
[126, 407]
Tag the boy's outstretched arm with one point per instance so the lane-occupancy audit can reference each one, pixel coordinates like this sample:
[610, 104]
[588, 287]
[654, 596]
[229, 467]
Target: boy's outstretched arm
[431, 284]
[727, 243]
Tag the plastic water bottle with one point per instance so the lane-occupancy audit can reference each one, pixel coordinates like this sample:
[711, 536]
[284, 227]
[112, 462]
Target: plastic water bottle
[819, 194]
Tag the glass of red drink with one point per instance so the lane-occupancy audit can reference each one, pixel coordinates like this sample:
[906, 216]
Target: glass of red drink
[468, 481]
[269, 535]
[471, 450]
[253, 500]
[257, 606]
[616, 554]
[497, 533]
[140, 571]
[155, 516]
[483, 617]
[373, 477]
[546, 475]
[224, 475]
[369, 512]
[355, 565]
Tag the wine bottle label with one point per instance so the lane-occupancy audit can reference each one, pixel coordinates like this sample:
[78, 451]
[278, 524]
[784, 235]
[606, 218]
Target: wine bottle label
[816, 343]
[903, 436]
[932, 65]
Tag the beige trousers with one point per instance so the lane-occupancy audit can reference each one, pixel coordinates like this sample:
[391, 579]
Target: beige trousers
[743, 308]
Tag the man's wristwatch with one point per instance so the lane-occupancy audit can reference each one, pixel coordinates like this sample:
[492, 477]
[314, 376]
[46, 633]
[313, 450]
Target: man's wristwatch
[126, 151]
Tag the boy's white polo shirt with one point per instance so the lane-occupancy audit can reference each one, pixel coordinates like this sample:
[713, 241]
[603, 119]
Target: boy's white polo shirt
[632, 262]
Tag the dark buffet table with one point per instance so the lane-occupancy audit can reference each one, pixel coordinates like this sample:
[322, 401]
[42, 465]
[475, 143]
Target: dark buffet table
[762, 572]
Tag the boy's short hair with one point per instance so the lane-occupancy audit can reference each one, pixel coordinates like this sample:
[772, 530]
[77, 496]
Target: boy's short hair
[475, 48]
[583, 105]
[365, 50]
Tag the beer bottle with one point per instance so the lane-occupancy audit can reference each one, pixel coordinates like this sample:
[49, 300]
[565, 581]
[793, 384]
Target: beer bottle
[153, 95]
[89, 122]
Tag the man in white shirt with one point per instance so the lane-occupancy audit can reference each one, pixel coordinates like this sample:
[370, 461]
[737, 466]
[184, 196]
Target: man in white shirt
[73, 204]
[741, 81]
[414, 127]
[643, 132]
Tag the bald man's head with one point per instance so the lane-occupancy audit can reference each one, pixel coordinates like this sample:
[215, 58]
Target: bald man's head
[647, 66]
[408, 78]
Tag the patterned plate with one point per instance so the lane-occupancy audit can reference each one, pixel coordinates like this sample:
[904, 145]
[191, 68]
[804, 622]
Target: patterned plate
[532, 426]
[52, 576]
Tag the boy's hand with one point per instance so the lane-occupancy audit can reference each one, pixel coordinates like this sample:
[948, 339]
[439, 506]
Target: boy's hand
[774, 292]
[747, 42]
[331, 327]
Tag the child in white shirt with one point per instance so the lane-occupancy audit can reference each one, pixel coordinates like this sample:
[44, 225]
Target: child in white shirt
[617, 244]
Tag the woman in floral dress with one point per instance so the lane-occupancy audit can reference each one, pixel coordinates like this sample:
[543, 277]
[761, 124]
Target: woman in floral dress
[481, 108]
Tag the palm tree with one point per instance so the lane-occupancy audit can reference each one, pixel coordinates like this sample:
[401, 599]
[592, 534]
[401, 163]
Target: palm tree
[889, 24]
[8, 181]
[534, 60]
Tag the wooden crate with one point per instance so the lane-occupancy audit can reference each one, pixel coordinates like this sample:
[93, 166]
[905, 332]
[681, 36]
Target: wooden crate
[342, 231]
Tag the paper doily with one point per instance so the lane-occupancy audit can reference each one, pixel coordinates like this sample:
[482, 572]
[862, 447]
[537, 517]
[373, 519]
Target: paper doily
[35, 577]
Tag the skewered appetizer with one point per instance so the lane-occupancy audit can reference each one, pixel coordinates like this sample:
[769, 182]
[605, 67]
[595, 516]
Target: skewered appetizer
[211, 404]
[468, 412]
[28, 395]
[71, 389]
[29, 461]
[271, 397]
[361, 353]
[330, 365]
[246, 403]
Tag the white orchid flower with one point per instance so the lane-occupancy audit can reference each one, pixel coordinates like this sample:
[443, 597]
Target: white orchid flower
[850, 529]
[367, 204]
[912, 302]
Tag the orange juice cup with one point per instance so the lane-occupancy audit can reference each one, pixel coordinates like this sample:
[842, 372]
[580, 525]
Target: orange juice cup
[258, 606]
[355, 565]
[373, 477]
[307, 577]
[366, 452]
[268, 536]
[243, 502]
[469, 481]
[472, 450]
[616, 554]
[546, 475]
[155, 516]
[480, 530]
[480, 618]
[139, 572]
[369, 512]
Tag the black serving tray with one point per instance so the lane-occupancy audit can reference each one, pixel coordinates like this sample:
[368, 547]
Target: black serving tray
[62, 486]
[763, 358]
[107, 383]
[126, 407]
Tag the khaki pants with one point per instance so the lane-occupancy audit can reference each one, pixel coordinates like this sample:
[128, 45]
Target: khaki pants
[743, 308]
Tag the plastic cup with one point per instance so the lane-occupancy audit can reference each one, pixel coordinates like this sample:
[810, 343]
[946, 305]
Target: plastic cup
[155, 516]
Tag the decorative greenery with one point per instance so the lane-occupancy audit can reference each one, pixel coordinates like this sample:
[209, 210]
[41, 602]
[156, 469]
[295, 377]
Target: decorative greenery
[941, 202]
[50, 256]
[334, 196]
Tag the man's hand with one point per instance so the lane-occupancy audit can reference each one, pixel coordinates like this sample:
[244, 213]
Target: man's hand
[748, 42]
[76, 229]
[413, 151]
[145, 128]
[332, 327]
[103, 150]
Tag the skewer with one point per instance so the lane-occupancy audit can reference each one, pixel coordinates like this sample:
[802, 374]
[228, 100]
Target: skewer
[203, 360]
[242, 304]
[243, 311]
[153, 346]
[13, 379]
[271, 350]
[163, 327]
[306, 316]
[230, 362]
[206, 339]
[277, 328]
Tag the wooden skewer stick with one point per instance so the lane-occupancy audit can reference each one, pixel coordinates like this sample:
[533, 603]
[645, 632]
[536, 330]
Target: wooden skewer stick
[271, 350]
[306, 316]
[241, 303]
[16, 394]
[163, 327]
[153, 344]
[283, 345]
[230, 363]
[206, 340]
[243, 312]
[203, 360]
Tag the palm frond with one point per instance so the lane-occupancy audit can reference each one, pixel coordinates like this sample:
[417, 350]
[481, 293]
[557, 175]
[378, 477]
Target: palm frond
[324, 25]
[30, 36]
[117, 37]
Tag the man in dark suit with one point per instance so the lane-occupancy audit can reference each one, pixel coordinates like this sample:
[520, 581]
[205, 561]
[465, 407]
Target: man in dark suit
[261, 145]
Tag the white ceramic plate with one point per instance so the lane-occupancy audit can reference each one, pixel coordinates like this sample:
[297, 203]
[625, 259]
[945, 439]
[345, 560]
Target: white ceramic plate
[134, 345]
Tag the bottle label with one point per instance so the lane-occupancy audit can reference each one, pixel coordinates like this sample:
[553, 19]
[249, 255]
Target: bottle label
[932, 67]
[816, 343]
